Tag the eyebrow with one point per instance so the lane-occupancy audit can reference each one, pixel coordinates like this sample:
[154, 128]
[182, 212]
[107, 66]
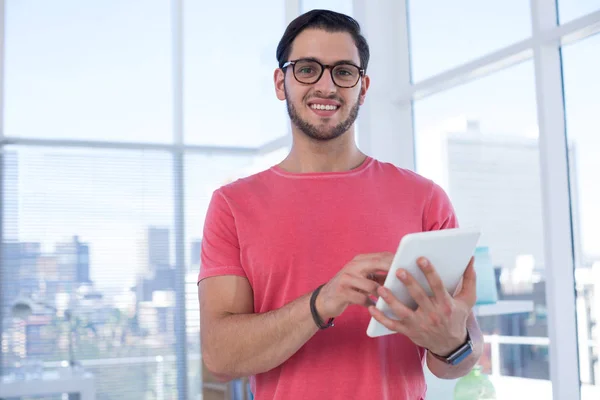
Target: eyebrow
[335, 63]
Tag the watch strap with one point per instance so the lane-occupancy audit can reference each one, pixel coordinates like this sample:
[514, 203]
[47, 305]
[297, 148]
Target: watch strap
[458, 355]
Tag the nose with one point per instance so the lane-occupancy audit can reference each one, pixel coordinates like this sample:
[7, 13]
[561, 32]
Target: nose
[325, 84]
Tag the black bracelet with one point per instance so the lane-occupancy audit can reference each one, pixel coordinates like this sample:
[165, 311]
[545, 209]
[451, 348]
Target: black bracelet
[315, 314]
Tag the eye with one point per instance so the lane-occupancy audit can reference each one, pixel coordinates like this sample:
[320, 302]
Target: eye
[305, 70]
[346, 72]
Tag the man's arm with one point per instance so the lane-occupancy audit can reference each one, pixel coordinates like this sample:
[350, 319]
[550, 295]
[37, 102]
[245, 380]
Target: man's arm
[447, 371]
[235, 341]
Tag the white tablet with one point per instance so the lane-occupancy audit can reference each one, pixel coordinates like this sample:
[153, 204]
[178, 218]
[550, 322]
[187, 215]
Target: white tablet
[449, 250]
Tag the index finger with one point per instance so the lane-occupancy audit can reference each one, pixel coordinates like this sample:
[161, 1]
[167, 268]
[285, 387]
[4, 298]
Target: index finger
[378, 277]
[374, 263]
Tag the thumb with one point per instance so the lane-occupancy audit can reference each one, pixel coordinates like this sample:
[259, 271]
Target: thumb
[468, 292]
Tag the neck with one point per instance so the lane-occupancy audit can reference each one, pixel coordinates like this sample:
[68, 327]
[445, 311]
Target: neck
[308, 155]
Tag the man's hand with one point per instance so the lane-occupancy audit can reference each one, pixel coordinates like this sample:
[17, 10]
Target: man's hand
[356, 283]
[439, 324]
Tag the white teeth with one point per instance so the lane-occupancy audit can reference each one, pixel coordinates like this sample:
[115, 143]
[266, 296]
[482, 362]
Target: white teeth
[323, 107]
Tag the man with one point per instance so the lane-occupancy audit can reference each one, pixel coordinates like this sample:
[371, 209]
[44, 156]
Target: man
[291, 251]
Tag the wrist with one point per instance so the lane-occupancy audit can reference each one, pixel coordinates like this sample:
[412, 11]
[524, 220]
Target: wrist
[322, 320]
[459, 354]
[453, 345]
[321, 307]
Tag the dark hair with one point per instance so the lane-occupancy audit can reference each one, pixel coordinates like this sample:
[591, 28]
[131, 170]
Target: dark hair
[329, 21]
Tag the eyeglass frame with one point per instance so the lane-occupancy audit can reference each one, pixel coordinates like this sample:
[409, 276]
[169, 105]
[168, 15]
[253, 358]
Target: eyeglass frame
[361, 71]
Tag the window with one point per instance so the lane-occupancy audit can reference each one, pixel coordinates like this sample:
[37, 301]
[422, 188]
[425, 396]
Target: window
[95, 236]
[88, 71]
[479, 142]
[445, 34]
[581, 82]
[203, 174]
[89, 226]
[341, 6]
[569, 10]
[229, 96]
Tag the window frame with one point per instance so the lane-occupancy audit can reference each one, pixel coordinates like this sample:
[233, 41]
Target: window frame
[543, 47]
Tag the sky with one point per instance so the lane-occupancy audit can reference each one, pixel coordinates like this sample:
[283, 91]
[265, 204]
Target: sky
[101, 70]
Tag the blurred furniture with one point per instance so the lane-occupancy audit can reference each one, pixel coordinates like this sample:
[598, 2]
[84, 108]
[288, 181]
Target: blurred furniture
[79, 387]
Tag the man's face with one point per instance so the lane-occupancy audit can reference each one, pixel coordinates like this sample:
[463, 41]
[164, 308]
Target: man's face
[321, 110]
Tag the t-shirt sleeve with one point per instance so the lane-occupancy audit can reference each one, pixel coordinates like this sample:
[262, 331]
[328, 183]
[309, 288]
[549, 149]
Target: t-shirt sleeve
[220, 253]
[439, 212]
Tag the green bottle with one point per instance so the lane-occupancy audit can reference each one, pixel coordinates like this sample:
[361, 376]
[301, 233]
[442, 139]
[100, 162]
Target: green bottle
[474, 386]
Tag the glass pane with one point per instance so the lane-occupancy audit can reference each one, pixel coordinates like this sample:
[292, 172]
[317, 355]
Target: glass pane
[204, 174]
[95, 237]
[88, 70]
[341, 6]
[229, 92]
[479, 142]
[445, 34]
[568, 10]
[581, 84]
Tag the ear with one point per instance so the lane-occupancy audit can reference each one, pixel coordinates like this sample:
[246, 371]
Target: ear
[279, 81]
[366, 81]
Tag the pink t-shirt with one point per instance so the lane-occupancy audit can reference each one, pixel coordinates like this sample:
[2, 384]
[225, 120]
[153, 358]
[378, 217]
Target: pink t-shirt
[288, 233]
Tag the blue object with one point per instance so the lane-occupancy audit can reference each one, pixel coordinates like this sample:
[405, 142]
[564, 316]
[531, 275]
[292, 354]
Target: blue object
[237, 392]
[487, 292]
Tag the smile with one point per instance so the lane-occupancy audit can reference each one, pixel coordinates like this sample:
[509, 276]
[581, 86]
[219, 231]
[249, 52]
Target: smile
[326, 107]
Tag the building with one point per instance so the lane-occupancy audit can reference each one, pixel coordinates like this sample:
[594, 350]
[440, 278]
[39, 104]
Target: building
[20, 275]
[10, 254]
[157, 249]
[10, 204]
[74, 261]
[40, 335]
[494, 183]
[154, 270]
[11, 265]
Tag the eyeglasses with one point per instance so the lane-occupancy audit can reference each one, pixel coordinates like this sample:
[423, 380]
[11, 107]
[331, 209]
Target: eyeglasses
[309, 71]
